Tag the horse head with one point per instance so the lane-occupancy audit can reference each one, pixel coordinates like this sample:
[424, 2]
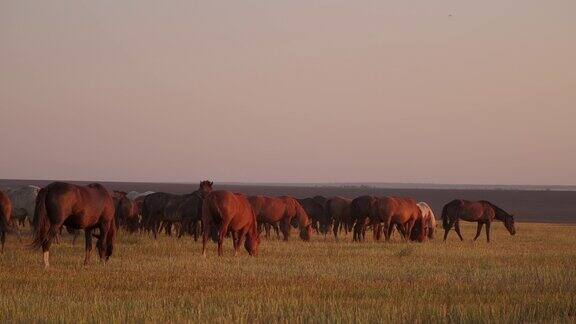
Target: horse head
[205, 188]
[509, 223]
[252, 242]
[306, 232]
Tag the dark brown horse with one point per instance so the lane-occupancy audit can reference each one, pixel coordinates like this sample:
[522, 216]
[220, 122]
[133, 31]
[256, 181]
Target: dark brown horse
[403, 213]
[6, 220]
[127, 213]
[76, 207]
[163, 208]
[316, 208]
[283, 209]
[338, 210]
[360, 216]
[225, 212]
[482, 212]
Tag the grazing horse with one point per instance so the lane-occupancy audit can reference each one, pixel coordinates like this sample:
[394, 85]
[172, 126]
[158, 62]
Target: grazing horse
[400, 212]
[338, 210]
[482, 211]
[429, 220]
[360, 217]
[163, 208]
[6, 220]
[316, 208]
[23, 203]
[76, 207]
[283, 209]
[224, 212]
[127, 213]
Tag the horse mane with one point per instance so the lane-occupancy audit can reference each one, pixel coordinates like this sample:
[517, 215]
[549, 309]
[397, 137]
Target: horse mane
[498, 210]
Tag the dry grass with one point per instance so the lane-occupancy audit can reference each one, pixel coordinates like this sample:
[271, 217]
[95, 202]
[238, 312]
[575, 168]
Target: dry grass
[530, 277]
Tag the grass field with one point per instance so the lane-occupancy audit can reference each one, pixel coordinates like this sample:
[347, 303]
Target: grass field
[530, 277]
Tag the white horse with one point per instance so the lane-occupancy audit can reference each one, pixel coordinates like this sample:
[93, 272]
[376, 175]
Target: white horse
[429, 218]
[134, 194]
[23, 203]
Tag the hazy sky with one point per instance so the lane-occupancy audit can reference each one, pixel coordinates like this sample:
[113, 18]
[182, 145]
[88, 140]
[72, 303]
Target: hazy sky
[289, 91]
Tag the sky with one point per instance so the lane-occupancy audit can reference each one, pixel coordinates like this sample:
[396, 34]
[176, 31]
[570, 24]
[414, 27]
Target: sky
[474, 92]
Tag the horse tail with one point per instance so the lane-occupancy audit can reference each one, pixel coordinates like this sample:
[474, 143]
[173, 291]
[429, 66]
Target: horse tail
[42, 229]
[445, 222]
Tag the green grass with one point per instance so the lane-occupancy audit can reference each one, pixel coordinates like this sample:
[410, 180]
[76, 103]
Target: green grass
[530, 277]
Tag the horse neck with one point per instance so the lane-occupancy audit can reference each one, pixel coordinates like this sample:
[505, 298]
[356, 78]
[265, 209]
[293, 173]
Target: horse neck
[303, 218]
[499, 214]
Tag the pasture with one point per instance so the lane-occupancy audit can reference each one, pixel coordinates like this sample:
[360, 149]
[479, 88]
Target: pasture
[530, 277]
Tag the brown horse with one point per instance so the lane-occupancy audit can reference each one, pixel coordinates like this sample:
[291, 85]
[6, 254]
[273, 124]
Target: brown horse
[338, 210]
[76, 207]
[224, 212]
[482, 211]
[6, 220]
[316, 208]
[403, 213]
[127, 213]
[165, 209]
[360, 217]
[282, 209]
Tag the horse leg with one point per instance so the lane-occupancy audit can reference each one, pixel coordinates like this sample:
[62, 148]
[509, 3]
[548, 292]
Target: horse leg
[277, 230]
[376, 229]
[205, 234]
[197, 227]
[385, 229]
[447, 229]
[168, 228]
[336, 228]
[240, 239]
[457, 228]
[408, 227]
[155, 229]
[478, 230]
[184, 227]
[46, 254]
[285, 227]
[267, 228]
[235, 242]
[223, 233]
[488, 231]
[88, 238]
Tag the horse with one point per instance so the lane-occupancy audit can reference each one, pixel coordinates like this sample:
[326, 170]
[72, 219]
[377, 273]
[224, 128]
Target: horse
[394, 211]
[338, 210]
[224, 212]
[282, 209]
[316, 208]
[23, 203]
[483, 212]
[127, 213]
[76, 207]
[360, 217]
[163, 208]
[6, 220]
[429, 219]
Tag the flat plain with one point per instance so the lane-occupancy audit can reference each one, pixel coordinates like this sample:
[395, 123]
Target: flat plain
[530, 277]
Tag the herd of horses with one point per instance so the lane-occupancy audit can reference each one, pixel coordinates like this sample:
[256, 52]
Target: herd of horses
[218, 214]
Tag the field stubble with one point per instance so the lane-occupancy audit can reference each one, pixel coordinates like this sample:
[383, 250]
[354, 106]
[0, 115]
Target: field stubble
[528, 277]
